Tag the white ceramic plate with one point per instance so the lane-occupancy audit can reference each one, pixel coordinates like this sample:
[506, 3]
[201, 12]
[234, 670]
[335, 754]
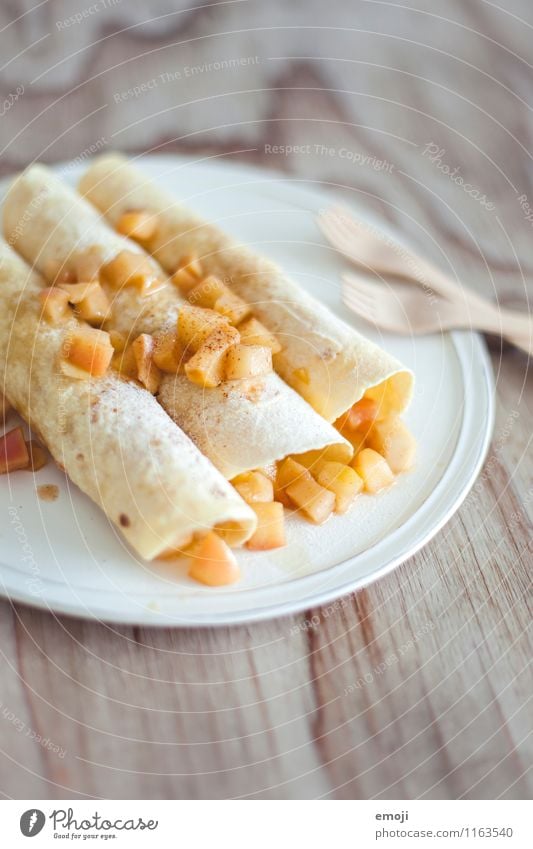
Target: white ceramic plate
[65, 556]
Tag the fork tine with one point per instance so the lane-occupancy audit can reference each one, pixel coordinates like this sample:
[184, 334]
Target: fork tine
[372, 288]
[360, 311]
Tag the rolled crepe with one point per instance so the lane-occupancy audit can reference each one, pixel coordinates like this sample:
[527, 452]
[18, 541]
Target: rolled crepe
[110, 436]
[236, 428]
[338, 364]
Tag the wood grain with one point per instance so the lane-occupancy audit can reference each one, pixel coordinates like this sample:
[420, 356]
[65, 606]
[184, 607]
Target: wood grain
[418, 686]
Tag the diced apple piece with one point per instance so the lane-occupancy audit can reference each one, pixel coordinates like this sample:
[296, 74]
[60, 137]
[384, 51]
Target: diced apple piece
[373, 469]
[254, 486]
[55, 272]
[214, 563]
[359, 418]
[37, 454]
[147, 372]
[76, 292]
[245, 361]
[88, 350]
[139, 225]
[168, 355]
[341, 480]
[232, 307]
[13, 451]
[55, 305]
[206, 292]
[288, 471]
[207, 366]
[195, 325]
[86, 265]
[187, 274]
[254, 333]
[125, 362]
[215, 295]
[94, 308]
[392, 439]
[118, 340]
[131, 269]
[270, 532]
[301, 375]
[312, 499]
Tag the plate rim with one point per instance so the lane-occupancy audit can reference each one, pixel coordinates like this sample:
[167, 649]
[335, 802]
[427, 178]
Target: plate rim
[148, 617]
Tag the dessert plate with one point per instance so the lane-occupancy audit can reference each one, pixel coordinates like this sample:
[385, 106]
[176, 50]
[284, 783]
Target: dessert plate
[62, 554]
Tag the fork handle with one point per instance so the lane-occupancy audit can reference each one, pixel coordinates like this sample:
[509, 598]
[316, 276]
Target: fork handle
[504, 322]
[516, 328]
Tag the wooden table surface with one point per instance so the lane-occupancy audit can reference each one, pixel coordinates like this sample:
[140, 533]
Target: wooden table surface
[419, 685]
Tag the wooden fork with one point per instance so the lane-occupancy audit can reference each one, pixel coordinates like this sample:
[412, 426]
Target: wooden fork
[437, 304]
[411, 311]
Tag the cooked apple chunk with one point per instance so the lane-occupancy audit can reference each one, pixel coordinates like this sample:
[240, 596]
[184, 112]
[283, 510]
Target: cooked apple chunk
[76, 292]
[187, 274]
[301, 375]
[254, 333]
[168, 355]
[232, 307]
[341, 480]
[55, 306]
[37, 454]
[147, 372]
[55, 272]
[254, 486]
[245, 361]
[316, 502]
[392, 439]
[303, 491]
[213, 563]
[13, 451]
[359, 418]
[137, 224]
[373, 469]
[88, 351]
[270, 532]
[207, 366]
[129, 268]
[118, 340]
[92, 304]
[288, 471]
[195, 324]
[206, 292]
[125, 362]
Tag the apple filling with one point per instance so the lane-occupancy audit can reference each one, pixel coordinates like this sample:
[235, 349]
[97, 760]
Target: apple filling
[137, 224]
[87, 352]
[257, 489]
[211, 349]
